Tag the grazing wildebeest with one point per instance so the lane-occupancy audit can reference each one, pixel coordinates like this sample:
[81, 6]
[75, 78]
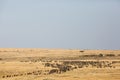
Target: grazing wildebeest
[53, 71]
[29, 73]
[3, 76]
[8, 76]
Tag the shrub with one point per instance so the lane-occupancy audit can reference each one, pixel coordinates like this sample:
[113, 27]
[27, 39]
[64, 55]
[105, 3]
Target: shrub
[82, 51]
[100, 55]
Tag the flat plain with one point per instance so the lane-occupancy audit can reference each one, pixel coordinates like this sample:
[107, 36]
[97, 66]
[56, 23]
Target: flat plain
[59, 64]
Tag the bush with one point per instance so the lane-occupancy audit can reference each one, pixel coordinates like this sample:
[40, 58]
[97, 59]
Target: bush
[82, 51]
[100, 55]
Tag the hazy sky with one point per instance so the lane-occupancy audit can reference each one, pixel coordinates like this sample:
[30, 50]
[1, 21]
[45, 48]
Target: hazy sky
[71, 24]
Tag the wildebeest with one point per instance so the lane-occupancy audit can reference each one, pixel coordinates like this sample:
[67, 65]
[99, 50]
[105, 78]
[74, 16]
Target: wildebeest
[53, 71]
[3, 76]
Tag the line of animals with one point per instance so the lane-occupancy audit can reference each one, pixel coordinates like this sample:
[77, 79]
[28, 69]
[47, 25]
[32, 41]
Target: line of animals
[38, 72]
[64, 66]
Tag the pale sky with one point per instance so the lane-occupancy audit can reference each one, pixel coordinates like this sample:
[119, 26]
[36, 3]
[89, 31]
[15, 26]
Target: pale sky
[69, 24]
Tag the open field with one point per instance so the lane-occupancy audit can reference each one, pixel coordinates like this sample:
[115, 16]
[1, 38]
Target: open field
[59, 64]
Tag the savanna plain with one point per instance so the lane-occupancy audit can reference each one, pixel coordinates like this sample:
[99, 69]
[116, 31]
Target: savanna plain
[59, 64]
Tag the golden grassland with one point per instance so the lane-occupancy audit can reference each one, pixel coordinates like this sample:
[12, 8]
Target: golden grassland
[23, 64]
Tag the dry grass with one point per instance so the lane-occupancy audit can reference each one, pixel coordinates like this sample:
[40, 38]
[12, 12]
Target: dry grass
[22, 61]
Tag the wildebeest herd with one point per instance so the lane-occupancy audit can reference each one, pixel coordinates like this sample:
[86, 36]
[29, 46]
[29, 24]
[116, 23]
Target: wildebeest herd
[59, 67]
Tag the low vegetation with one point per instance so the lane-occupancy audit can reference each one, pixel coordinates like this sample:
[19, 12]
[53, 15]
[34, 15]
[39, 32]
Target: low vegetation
[39, 64]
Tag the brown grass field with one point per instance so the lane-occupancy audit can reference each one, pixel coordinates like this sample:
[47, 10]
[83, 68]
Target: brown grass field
[59, 64]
